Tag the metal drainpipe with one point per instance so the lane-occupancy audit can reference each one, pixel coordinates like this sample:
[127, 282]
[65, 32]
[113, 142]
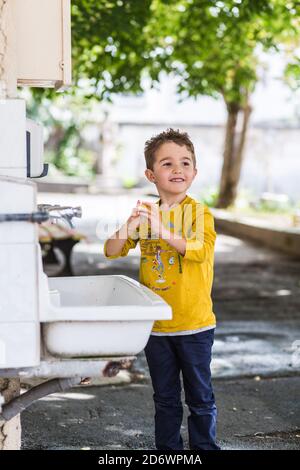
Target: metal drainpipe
[20, 403]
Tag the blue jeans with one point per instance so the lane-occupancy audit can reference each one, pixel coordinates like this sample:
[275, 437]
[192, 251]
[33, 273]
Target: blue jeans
[166, 357]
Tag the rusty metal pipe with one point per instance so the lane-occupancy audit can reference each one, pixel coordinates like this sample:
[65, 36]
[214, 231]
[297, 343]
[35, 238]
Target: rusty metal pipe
[19, 404]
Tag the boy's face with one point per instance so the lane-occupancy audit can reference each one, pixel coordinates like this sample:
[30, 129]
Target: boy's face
[173, 170]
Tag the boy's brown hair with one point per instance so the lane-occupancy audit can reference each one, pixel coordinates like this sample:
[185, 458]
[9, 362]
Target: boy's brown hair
[169, 135]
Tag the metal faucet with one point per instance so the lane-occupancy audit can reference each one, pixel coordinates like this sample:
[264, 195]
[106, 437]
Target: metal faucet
[65, 213]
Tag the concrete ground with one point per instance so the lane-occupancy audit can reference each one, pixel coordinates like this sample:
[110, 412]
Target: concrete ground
[256, 365]
[252, 415]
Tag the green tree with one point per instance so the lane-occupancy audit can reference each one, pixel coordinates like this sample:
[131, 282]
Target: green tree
[212, 47]
[108, 43]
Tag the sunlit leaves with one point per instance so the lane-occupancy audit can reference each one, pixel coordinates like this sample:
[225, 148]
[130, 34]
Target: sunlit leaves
[215, 43]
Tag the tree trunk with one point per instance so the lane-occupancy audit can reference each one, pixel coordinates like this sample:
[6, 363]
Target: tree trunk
[98, 166]
[10, 432]
[233, 153]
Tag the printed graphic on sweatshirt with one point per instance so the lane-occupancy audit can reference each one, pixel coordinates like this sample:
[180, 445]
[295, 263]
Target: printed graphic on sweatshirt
[163, 262]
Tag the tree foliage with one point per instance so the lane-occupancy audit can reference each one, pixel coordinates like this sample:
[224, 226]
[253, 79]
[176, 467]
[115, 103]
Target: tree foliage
[212, 46]
[108, 44]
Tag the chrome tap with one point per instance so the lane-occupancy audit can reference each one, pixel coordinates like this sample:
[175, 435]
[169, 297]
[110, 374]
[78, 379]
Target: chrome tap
[65, 213]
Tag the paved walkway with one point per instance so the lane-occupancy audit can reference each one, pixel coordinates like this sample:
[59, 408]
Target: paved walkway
[256, 361]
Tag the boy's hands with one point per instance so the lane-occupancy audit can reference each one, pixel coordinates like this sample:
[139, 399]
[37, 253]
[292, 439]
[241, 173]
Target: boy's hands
[150, 211]
[147, 211]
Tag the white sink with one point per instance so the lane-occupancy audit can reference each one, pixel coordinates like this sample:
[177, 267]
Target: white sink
[95, 316]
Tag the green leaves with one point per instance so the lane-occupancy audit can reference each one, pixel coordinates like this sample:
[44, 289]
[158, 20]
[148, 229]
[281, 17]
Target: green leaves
[108, 44]
[211, 46]
[215, 43]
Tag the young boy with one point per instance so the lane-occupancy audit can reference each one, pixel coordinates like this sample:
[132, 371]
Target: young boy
[177, 254]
